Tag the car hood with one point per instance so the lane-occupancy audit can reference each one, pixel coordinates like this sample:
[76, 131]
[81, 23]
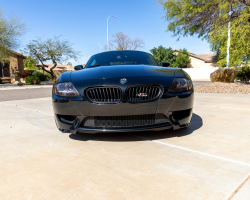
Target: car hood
[121, 71]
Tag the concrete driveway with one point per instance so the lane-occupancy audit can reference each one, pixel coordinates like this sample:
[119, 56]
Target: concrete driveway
[209, 160]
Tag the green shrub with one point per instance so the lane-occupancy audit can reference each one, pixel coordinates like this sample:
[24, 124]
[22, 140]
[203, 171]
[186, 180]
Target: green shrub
[223, 75]
[48, 75]
[243, 73]
[1, 81]
[38, 74]
[30, 80]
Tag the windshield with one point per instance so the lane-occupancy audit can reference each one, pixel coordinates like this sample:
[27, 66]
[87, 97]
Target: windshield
[121, 58]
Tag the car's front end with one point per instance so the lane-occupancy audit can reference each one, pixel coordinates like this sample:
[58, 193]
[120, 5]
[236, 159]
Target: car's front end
[123, 99]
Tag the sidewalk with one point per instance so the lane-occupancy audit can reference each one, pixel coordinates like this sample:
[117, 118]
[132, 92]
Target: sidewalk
[201, 80]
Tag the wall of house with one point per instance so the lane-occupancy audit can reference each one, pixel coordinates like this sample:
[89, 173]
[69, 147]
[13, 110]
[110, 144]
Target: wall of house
[13, 63]
[20, 63]
[197, 63]
[16, 62]
[200, 73]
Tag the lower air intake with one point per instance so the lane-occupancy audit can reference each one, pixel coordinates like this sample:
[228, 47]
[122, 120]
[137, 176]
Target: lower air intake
[124, 122]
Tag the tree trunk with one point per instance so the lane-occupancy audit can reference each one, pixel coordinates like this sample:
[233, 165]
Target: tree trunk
[49, 71]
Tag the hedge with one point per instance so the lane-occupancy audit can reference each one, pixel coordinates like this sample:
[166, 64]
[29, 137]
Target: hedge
[38, 74]
[48, 75]
[224, 75]
[30, 80]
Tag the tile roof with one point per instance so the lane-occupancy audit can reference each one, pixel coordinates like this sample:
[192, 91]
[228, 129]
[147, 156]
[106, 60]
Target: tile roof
[60, 67]
[19, 54]
[207, 58]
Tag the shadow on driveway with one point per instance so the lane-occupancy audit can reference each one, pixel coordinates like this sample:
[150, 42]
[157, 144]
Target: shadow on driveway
[141, 135]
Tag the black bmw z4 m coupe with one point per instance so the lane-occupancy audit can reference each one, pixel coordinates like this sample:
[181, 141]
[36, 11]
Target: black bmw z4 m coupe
[123, 91]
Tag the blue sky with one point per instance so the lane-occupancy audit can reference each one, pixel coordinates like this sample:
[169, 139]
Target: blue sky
[84, 23]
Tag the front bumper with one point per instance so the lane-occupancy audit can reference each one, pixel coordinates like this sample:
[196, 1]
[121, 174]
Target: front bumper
[171, 105]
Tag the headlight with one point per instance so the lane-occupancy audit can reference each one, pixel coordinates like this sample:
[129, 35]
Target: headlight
[65, 90]
[180, 85]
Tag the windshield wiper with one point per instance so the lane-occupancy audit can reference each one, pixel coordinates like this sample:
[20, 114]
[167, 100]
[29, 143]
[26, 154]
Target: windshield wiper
[132, 63]
[94, 65]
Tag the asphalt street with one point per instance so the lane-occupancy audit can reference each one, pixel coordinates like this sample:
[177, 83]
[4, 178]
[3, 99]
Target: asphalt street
[20, 94]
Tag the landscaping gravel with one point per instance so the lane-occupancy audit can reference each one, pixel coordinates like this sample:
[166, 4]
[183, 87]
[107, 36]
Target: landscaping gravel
[226, 88]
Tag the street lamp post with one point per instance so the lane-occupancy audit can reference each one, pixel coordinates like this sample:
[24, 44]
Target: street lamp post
[228, 39]
[100, 46]
[108, 31]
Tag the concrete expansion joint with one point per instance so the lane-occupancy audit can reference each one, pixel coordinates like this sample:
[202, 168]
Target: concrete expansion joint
[27, 108]
[240, 186]
[223, 107]
[194, 151]
[213, 156]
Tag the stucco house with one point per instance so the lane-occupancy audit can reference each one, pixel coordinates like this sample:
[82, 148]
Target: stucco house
[201, 60]
[15, 63]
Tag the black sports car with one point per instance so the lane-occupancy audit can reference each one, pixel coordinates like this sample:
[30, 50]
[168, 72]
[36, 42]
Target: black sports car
[121, 91]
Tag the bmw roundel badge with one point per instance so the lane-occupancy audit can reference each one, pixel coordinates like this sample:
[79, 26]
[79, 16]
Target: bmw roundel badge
[123, 81]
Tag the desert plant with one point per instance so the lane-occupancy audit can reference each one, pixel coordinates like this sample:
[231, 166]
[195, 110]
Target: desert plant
[30, 80]
[52, 50]
[38, 74]
[176, 59]
[23, 74]
[30, 64]
[1, 81]
[48, 75]
[243, 73]
[162, 54]
[11, 28]
[223, 75]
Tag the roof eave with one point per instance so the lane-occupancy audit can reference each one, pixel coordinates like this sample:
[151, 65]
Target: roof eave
[18, 54]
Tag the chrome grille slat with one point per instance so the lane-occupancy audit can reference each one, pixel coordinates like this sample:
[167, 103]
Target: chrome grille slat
[111, 97]
[91, 94]
[100, 93]
[153, 92]
[149, 92]
[104, 95]
[94, 94]
[124, 122]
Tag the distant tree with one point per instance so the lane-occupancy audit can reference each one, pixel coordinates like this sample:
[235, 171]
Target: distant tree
[122, 41]
[200, 17]
[182, 59]
[162, 54]
[10, 31]
[69, 63]
[239, 44]
[30, 63]
[208, 19]
[53, 50]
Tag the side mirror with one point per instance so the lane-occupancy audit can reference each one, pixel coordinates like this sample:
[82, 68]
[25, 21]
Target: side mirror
[78, 67]
[165, 64]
